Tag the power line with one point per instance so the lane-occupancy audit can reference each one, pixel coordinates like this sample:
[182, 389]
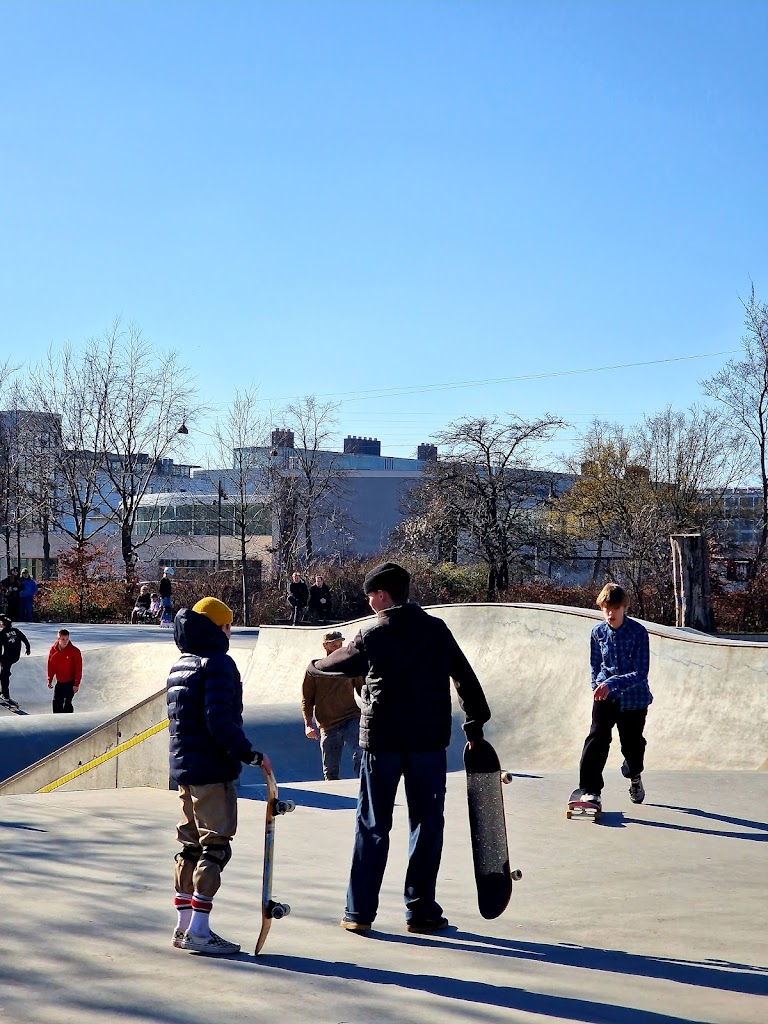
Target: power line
[361, 396]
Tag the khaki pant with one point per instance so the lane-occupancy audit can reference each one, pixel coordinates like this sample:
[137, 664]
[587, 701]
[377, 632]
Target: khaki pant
[209, 820]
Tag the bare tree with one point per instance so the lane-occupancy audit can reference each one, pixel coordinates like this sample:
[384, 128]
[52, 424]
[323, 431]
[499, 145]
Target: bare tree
[306, 480]
[742, 387]
[25, 469]
[149, 394]
[72, 391]
[482, 500]
[239, 439]
[635, 487]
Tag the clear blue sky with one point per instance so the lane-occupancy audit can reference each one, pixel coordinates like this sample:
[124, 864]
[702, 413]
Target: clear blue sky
[339, 197]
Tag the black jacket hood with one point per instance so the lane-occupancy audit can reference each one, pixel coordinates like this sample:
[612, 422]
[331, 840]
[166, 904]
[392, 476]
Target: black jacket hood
[196, 634]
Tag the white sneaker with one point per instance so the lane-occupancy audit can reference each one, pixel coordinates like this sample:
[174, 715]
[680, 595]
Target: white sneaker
[212, 944]
[178, 935]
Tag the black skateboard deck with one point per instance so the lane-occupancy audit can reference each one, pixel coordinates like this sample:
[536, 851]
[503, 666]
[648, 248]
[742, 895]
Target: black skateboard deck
[578, 807]
[12, 706]
[270, 910]
[488, 830]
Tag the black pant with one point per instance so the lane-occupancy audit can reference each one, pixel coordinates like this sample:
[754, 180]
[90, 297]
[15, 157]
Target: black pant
[62, 698]
[297, 614]
[630, 724]
[5, 678]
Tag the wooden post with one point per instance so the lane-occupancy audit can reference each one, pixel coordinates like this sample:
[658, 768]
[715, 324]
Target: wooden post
[690, 571]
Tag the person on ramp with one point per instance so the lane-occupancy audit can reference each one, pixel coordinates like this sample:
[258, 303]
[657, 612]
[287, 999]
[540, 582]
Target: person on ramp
[408, 659]
[11, 639]
[65, 665]
[207, 750]
[331, 700]
[619, 660]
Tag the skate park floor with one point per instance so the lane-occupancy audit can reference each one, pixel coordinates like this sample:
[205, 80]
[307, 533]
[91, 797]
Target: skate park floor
[654, 915]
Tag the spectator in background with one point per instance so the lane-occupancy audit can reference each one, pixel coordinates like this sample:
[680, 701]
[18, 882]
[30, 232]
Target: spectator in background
[166, 588]
[27, 591]
[298, 598]
[11, 588]
[320, 601]
[142, 607]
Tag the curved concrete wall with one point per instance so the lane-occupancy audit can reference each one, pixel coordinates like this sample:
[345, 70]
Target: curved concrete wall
[710, 709]
[710, 705]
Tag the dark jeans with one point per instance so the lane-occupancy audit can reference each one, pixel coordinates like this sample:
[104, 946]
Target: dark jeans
[424, 776]
[62, 698]
[630, 725]
[25, 609]
[332, 743]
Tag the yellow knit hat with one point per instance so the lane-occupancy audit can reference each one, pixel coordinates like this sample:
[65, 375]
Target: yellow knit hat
[214, 609]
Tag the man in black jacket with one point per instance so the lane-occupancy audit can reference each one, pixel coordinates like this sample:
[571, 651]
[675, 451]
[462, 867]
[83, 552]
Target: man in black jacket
[298, 598]
[11, 639]
[408, 659]
[320, 600]
[207, 750]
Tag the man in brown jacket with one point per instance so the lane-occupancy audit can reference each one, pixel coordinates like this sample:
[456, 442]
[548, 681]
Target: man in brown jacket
[330, 697]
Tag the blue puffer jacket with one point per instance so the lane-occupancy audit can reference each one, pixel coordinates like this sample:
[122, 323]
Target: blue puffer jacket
[205, 706]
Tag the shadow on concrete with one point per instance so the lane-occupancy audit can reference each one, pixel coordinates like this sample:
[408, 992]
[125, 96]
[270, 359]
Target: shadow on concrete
[721, 974]
[302, 797]
[479, 993]
[611, 819]
[697, 812]
[754, 837]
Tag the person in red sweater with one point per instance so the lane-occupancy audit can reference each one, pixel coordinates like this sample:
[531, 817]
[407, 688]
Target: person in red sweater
[65, 663]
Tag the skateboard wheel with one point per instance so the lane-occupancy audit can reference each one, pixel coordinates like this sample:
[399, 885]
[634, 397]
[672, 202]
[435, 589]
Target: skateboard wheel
[284, 806]
[280, 910]
[517, 874]
[569, 814]
[507, 777]
[289, 806]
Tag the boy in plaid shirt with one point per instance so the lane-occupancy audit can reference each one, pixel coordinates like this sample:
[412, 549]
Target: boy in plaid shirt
[619, 659]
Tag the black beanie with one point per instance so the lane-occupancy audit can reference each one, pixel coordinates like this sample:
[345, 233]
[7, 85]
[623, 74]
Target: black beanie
[391, 577]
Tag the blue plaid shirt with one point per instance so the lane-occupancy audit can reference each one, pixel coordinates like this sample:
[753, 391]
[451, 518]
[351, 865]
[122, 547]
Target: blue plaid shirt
[620, 658]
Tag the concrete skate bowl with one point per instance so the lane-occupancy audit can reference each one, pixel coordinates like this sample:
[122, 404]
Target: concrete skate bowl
[710, 709]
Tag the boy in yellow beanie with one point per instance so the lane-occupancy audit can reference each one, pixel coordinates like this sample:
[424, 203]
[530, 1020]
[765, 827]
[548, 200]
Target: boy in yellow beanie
[207, 750]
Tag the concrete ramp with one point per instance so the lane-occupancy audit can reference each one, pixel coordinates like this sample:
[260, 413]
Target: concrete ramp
[710, 709]
[131, 750]
[710, 705]
[120, 671]
[116, 675]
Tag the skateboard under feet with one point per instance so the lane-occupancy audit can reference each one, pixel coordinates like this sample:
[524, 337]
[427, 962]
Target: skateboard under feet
[487, 827]
[580, 808]
[11, 705]
[270, 909]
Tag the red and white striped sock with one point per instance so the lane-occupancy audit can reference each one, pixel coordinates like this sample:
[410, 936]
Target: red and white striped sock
[183, 903]
[201, 909]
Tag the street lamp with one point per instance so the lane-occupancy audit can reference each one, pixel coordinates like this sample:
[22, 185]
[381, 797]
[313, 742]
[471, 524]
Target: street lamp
[221, 494]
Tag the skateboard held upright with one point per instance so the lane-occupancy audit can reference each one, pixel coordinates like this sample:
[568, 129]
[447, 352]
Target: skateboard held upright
[488, 831]
[270, 910]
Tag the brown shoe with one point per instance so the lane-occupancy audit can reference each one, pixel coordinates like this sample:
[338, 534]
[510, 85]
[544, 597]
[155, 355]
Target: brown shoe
[354, 926]
[435, 924]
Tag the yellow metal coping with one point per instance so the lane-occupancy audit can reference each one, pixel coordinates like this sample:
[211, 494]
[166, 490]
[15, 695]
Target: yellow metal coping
[96, 761]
